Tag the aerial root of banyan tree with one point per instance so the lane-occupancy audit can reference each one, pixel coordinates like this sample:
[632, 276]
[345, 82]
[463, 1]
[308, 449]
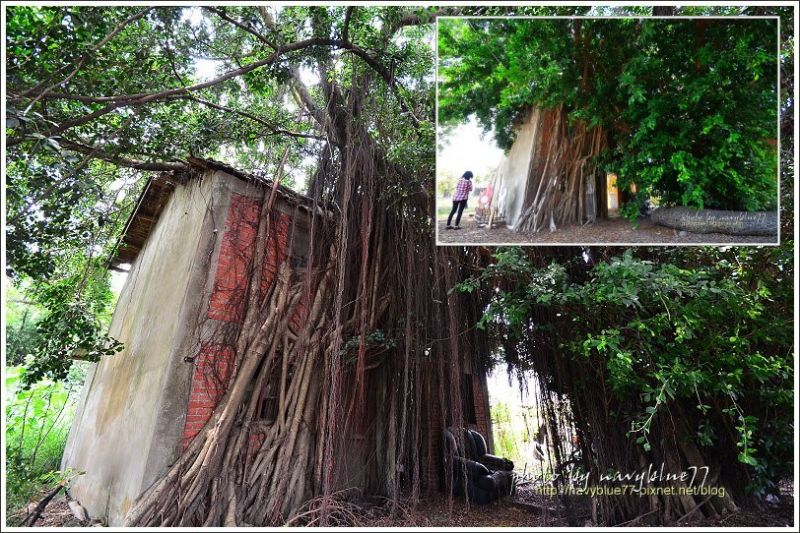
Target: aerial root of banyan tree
[220, 478]
[563, 160]
[573, 399]
[370, 271]
[215, 482]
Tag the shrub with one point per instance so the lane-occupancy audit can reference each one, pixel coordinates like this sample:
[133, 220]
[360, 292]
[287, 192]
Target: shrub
[37, 424]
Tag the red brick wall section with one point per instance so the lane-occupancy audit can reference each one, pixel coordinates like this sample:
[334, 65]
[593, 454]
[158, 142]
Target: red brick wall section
[430, 477]
[241, 225]
[435, 425]
[213, 364]
[481, 416]
[212, 372]
[277, 250]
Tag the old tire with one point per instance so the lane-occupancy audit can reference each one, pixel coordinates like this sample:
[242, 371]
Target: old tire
[716, 221]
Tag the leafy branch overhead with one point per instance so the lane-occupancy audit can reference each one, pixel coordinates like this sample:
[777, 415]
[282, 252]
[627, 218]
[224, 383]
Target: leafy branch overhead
[98, 98]
[112, 78]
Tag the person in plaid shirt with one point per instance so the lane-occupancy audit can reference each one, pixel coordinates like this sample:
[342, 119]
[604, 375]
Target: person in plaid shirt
[463, 188]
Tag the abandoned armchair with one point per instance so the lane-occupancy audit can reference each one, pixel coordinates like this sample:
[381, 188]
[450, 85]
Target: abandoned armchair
[480, 453]
[480, 476]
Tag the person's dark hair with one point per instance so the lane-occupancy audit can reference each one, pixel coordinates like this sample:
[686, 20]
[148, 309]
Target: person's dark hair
[467, 175]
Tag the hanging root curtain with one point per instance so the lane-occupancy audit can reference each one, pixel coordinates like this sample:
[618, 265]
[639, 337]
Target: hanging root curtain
[379, 352]
[575, 396]
[562, 168]
[604, 432]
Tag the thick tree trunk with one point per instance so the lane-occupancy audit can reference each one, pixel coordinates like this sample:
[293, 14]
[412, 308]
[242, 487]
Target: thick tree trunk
[763, 223]
[664, 11]
[563, 159]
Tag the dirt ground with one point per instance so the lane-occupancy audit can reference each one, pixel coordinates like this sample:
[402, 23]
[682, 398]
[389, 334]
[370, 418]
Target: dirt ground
[546, 512]
[56, 514]
[549, 513]
[604, 231]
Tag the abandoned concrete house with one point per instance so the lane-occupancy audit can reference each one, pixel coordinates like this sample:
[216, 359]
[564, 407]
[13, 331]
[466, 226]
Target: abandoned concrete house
[187, 243]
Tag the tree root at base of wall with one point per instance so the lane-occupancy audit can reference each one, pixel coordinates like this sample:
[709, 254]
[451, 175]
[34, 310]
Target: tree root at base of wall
[373, 369]
[562, 162]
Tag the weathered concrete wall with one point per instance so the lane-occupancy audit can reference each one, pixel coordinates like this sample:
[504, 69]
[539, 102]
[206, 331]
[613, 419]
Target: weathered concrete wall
[123, 432]
[140, 407]
[515, 169]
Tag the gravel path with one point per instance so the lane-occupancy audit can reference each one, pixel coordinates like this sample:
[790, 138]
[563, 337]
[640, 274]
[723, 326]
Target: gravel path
[615, 231]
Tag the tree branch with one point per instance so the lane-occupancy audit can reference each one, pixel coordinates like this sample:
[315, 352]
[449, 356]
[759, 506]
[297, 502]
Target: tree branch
[346, 25]
[297, 85]
[224, 16]
[115, 102]
[343, 43]
[414, 19]
[118, 28]
[143, 98]
[254, 118]
[96, 152]
[385, 74]
[300, 91]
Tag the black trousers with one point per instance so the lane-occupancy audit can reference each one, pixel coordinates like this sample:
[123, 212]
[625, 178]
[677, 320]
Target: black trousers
[458, 205]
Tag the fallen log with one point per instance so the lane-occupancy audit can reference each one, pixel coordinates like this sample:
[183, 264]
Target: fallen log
[717, 221]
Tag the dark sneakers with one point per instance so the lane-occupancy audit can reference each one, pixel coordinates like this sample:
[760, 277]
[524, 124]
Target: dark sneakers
[448, 227]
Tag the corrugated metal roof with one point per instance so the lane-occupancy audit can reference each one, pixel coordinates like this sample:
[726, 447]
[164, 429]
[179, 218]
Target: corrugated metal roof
[159, 188]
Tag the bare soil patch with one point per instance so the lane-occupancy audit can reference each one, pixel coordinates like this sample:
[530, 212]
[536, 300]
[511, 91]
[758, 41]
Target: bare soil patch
[606, 231]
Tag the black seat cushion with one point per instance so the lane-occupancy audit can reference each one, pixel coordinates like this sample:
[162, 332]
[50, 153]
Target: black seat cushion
[480, 476]
[480, 443]
[470, 446]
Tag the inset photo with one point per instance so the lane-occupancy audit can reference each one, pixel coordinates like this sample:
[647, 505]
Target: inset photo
[607, 131]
